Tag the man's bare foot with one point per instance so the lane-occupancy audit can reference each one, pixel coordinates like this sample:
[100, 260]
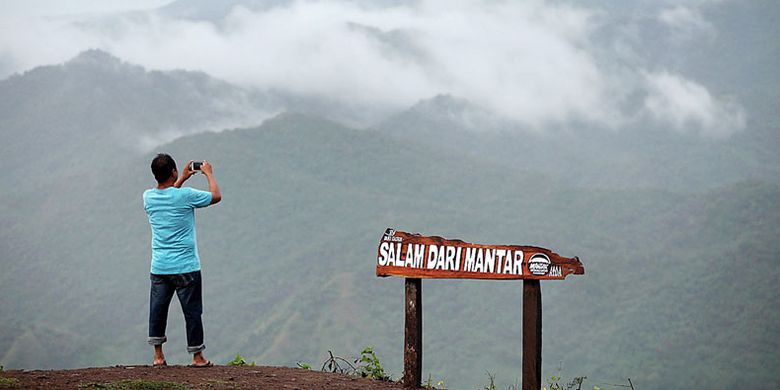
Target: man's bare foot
[199, 360]
[159, 357]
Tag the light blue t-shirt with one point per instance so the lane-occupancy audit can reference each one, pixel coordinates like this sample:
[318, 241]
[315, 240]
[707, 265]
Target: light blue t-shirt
[172, 217]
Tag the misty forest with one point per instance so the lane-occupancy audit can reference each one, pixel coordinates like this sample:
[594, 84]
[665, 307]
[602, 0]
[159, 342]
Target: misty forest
[640, 136]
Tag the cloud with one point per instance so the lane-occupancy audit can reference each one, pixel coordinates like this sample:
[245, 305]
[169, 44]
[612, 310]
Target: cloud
[686, 23]
[50, 8]
[687, 105]
[28, 42]
[527, 62]
[535, 62]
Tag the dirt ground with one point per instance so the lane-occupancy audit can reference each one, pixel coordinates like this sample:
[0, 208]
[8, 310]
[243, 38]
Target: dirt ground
[182, 377]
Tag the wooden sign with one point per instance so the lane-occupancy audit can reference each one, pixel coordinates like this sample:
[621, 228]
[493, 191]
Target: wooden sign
[415, 256]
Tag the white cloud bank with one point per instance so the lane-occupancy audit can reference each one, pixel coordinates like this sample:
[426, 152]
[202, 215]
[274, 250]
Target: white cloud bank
[685, 104]
[686, 23]
[531, 61]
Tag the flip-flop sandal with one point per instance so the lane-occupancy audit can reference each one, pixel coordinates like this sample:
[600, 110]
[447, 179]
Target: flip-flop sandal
[163, 364]
[208, 364]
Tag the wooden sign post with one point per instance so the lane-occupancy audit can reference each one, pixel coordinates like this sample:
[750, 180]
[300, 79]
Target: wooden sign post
[413, 332]
[416, 257]
[532, 335]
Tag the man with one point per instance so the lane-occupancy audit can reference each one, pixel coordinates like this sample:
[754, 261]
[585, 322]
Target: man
[175, 261]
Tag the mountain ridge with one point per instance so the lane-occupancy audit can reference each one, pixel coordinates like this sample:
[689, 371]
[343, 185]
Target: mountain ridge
[288, 256]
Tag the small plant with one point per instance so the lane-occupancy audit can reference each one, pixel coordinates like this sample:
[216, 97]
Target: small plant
[8, 382]
[239, 361]
[438, 386]
[365, 366]
[304, 365]
[368, 365]
[555, 383]
[338, 364]
[576, 381]
[491, 382]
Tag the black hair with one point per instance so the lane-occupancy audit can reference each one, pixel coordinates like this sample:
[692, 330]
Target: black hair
[163, 167]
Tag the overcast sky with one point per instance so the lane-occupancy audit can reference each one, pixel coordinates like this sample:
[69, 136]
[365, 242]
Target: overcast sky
[44, 8]
[539, 63]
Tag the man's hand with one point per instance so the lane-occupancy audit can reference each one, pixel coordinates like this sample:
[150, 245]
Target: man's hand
[188, 170]
[185, 174]
[206, 168]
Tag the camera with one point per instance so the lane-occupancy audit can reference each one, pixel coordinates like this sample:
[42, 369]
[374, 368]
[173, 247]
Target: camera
[195, 166]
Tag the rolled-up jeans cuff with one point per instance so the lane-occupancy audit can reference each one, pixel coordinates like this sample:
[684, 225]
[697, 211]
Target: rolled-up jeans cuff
[153, 340]
[196, 348]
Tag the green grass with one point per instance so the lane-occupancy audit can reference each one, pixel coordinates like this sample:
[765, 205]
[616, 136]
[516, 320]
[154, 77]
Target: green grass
[134, 384]
[9, 382]
[239, 361]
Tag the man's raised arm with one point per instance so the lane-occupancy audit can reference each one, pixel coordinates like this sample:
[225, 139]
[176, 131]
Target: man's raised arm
[185, 174]
[216, 196]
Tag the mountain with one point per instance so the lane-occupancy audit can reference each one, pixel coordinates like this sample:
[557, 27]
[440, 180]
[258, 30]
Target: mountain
[288, 261]
[96, 96]
[589, 156]
[58, 122]
[678, 290]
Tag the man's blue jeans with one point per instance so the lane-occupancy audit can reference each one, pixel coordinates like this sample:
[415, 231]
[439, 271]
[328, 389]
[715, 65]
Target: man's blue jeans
[188, 289]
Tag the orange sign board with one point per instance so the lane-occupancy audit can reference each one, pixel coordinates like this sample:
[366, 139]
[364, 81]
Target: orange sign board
[415, 256]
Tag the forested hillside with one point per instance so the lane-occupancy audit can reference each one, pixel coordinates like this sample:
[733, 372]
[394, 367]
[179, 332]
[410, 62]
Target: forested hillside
[679, 283]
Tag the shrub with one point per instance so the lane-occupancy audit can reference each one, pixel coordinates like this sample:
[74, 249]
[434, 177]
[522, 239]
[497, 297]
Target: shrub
[368, 365]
